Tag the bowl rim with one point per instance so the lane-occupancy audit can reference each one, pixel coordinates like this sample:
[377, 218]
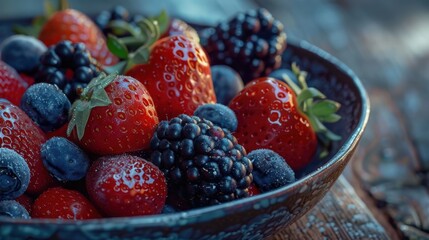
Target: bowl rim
[172, 218]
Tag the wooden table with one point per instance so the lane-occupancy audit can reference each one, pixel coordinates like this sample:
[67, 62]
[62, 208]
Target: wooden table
[384, 192]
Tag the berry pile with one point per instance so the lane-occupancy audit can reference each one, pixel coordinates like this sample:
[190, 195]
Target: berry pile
[252, 43]
[106, 20]
[160, 131]
[69, 66]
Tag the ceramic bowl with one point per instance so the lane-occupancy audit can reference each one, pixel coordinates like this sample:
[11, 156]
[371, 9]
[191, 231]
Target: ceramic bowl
[251, 218]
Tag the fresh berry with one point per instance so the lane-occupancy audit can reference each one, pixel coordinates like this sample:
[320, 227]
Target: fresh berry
[14, 174]
[268, 118]
[22, 53]
[227, 83]
[12, 209]
[252, 43]
[21, 134]
[282, 73]
[125, 185]
[27, 78]
[284, 118]
[63, 203]
[202, 163]
[76, 27]
[114, 115]
[178, 27]
[270, 170]
[220, 115]
[64, 160]
[178, 74]
[46, 105]
[12, 86]
[69, 66]
[253, 190]
[26, 201]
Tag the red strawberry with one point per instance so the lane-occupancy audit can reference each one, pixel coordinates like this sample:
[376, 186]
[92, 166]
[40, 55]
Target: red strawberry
[75, 26]
[12, 86]
[63, 203]
[270, 116]
[20, 133]
[28, 79]
[178, 74]
[254, 190]
[179, 27]
[115, 114]
[126, 185]
[26, 202]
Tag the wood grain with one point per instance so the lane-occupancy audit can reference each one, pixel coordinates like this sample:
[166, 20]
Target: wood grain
[340, 215]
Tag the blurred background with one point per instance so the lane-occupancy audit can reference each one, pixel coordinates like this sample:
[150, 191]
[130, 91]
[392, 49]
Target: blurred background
[386, 42]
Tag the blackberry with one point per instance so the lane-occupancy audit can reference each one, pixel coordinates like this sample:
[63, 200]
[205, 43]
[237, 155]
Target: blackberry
[252, 43]
[69, 66]
[202, 162]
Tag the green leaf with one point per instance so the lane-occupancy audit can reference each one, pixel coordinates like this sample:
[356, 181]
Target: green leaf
[120, 27]
[325, 107]
[117, 68]
[141, 55]
[332, 136]
[330, 118]
[117, 47]
[309, 93]
[163, 21]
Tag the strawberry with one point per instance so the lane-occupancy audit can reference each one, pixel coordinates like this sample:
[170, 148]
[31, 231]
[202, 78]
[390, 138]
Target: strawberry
[26, 202]
[115, 114]
[179, 27]
[178, 74]
[20, 133]
[12, 86]
[126, 185]
[63, 203]
[284, 118]
[75, 26]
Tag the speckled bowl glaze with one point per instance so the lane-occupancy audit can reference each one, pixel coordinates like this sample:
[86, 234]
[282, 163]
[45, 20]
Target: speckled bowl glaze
[251, 218]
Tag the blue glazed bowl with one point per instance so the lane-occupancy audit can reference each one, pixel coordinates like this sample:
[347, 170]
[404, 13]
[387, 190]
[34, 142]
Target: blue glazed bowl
[251, 218]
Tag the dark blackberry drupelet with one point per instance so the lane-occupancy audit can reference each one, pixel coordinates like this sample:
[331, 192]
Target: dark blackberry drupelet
[202, 162]
[252, 43]
[69, 66]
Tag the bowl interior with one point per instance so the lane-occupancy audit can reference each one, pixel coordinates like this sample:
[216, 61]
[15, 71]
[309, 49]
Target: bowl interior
[324, 72]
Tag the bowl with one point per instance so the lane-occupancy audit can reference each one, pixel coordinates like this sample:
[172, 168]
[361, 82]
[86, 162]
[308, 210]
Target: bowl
[251, 218]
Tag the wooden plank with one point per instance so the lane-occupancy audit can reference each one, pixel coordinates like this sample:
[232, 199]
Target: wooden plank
[340, 215]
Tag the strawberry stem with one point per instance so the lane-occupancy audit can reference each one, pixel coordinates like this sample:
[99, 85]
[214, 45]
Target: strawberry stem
[94, 95]
[316, 107]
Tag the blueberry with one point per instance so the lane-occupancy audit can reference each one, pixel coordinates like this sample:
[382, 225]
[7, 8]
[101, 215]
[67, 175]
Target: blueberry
[12, 209]
[46, 105]
[22, 52]
[169, 209]
[279, 74]
[270, 170]
[64, 160]
[14, 174]
[227, 83]
[219, 115]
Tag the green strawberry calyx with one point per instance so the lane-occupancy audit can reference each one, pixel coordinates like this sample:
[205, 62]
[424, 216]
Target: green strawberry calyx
[94, 95]
[135, 49]
[315, 106]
